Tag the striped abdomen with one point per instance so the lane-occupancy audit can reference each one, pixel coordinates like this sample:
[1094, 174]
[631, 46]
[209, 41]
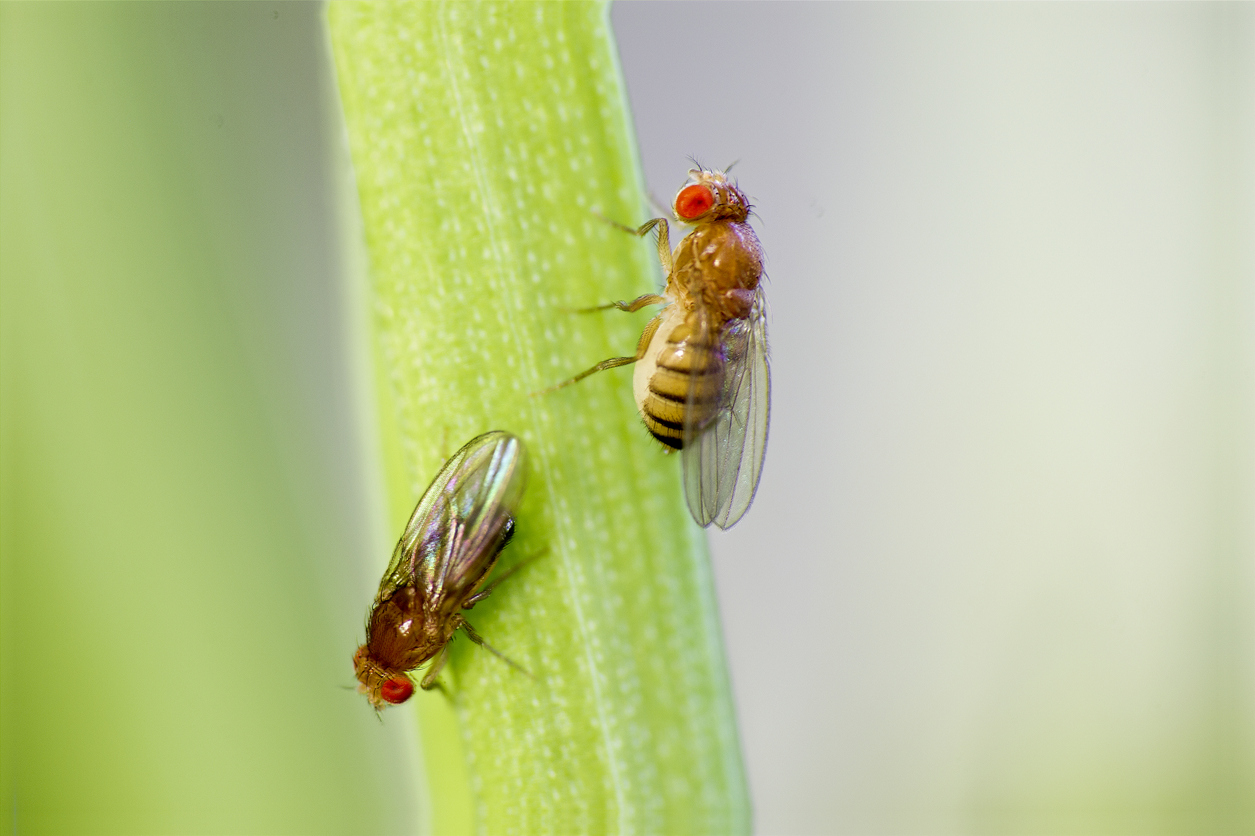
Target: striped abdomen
[679, 358]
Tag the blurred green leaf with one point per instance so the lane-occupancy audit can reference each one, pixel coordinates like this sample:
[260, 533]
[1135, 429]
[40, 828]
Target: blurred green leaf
[183, 490]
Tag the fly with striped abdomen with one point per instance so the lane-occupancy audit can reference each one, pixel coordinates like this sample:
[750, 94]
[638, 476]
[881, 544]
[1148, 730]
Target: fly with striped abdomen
[702, 383]
[440, 566]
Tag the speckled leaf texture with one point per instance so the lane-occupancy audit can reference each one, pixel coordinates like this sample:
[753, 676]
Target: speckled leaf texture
[486, 139]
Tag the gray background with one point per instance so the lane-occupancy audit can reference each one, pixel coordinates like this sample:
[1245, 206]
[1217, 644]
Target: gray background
[998, 576]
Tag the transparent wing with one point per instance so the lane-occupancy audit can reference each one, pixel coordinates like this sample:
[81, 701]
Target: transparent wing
[723, 456]
[461, 522]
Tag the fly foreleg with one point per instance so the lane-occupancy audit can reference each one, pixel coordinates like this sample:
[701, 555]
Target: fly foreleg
[664, 237]
[664, 241]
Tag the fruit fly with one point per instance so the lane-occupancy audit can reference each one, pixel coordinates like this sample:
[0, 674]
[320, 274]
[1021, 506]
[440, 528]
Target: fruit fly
[701, 382]
[439, 567]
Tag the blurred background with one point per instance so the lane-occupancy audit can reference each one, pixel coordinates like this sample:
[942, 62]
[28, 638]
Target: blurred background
[1000, 574]
[187, 486]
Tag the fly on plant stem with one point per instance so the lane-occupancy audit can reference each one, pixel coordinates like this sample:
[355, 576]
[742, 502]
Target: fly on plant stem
[439, 567]
[702, 382]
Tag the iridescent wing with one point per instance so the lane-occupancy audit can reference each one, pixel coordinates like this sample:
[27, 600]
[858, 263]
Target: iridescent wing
[460, 524]
[723, 458]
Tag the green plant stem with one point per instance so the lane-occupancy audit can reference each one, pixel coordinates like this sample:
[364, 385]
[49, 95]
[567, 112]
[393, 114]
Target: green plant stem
[486, 139]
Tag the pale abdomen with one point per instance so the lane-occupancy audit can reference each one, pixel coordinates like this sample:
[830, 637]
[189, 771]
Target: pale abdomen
[679, 358]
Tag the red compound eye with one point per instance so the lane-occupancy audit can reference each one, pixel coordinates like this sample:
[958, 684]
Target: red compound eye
[693, 202]
[396, 691]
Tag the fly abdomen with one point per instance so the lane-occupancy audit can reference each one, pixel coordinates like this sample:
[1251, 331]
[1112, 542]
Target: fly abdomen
[688, 375]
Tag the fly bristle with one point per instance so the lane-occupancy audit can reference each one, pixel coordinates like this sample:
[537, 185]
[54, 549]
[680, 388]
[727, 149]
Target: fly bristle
[675, 442]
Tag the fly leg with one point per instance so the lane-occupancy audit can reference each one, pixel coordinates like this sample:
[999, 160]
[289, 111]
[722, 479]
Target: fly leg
[429, 680]
[664, 256]
[664, 241]
[635, 305]
[614, 362]
[483, 593]
[664, 237]
[475, 637]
